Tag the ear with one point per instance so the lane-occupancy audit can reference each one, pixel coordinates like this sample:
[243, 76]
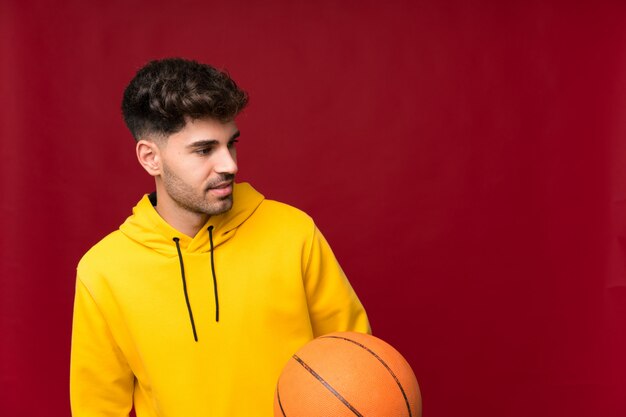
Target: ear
[149, 156]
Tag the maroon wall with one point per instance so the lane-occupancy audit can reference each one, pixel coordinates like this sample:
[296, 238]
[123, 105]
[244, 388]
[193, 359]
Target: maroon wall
[465, 160]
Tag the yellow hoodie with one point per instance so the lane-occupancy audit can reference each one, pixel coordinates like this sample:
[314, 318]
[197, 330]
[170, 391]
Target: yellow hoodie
[202, 326]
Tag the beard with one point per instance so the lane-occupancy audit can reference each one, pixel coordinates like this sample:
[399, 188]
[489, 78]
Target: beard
[194, 200]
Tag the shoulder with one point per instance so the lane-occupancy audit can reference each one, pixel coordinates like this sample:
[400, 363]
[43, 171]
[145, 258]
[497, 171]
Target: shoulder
[280, 222]
[102, 254]
[284, 214]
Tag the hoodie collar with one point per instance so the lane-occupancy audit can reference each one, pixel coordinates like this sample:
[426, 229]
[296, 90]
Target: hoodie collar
[148, 228]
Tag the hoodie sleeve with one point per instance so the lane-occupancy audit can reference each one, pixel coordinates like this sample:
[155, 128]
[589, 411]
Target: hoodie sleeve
[101, 382]
[333, 304]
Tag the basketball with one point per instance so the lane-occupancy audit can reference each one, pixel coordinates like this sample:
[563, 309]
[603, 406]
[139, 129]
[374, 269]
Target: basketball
[347, 374]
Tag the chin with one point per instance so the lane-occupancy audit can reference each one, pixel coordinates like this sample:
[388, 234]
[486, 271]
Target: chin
[222, 206]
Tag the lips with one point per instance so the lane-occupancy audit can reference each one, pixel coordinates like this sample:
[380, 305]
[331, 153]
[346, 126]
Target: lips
[221, 189]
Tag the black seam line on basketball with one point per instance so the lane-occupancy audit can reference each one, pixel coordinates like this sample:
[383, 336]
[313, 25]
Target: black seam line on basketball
[327, 385]
[280, 404]
[406, 400]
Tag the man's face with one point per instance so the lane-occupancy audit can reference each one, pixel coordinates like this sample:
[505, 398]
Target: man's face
[199, 164]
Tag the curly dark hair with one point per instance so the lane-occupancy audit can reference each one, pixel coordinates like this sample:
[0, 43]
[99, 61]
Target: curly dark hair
[165, 92]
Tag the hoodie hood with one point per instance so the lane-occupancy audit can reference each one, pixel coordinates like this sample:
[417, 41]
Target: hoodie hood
[146, 226]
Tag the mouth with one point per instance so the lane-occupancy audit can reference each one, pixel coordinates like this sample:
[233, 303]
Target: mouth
[221, 189]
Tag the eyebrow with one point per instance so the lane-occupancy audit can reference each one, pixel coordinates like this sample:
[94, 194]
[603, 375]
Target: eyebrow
[211, 142]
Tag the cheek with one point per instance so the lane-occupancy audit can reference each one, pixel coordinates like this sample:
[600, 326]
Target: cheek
[202, 171]
[192, 172]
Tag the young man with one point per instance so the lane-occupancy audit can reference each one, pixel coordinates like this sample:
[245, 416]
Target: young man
[195, 304]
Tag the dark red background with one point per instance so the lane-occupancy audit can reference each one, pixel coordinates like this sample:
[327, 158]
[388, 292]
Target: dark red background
[466, 160]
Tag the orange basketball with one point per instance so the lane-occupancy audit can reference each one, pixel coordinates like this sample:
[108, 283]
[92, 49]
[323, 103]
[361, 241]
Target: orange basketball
[347, 374]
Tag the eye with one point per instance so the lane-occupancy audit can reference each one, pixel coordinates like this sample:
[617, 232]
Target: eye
[232, 143]
[203, 151]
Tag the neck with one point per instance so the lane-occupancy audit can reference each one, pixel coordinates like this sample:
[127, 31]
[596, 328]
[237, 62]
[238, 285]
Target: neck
[185, 222]
[178, 217]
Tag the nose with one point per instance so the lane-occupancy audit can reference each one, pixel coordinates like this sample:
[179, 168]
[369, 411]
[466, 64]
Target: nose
[226, 162]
